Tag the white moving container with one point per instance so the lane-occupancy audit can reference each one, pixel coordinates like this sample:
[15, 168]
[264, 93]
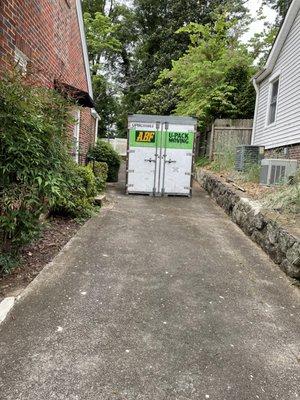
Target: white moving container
[160, 155]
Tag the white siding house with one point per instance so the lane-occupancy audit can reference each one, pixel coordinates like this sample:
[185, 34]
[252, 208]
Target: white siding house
[277, 114]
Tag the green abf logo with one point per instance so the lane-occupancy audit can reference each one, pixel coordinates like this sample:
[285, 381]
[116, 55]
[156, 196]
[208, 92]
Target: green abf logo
[178, 137]
[145, 137]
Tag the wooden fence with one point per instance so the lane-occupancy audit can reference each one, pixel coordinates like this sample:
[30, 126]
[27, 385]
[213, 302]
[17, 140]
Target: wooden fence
[223, 136]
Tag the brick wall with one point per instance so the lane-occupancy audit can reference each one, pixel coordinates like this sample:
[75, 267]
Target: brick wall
[47, 32]
[289, 152]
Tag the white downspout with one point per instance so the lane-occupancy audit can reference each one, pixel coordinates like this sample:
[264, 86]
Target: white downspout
[97, 117]
[256, 110]
[96, 129]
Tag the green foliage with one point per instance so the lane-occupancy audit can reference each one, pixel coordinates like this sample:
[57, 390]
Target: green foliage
[93, 6]
[100, 170]
[262, 42]
[162, 100]
[286, 199]
[77, 192]
[37, 173]
[202, 162]
[104, 152]
[213, 77]
[252, 173]
[159, 43]
[224, 160]
[33, 151]
[100, 36]
[129, 46]
[281, 6]
[89, 182]
[8, 261]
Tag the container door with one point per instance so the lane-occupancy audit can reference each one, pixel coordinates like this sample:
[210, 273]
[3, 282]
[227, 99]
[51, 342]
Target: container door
[143, 161]
[178, 145]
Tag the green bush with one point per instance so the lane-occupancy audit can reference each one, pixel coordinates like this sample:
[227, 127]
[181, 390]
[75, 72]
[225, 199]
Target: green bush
[33, 152]
[100, 170]
[88, 179]
[103, 152]
[78, 192]
[37, 173]
[8, 261]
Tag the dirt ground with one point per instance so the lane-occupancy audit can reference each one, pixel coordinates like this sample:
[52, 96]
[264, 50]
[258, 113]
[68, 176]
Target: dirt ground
[55, 234]
[257, 192]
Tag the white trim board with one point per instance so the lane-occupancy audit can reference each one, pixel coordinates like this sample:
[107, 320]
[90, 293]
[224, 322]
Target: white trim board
[84, 47]
[279, 42]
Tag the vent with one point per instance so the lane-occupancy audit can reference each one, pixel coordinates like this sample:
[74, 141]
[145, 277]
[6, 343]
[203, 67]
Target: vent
[247, 155]
[275, 172]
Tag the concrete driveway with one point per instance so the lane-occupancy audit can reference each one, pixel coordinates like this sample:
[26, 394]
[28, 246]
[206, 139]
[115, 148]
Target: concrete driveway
[155, 299]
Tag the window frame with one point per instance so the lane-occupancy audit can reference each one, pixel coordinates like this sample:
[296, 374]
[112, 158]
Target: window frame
[76, 136]
[275, 78]
[21, 60]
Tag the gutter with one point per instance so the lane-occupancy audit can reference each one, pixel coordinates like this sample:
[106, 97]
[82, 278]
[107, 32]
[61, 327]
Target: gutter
[97, 118]
[256, 109]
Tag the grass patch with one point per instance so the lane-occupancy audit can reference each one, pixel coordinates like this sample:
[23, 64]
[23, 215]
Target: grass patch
[285, 200]
[202, 162]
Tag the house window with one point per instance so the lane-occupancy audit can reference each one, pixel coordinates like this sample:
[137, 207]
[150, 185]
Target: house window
[21, 60]
[273, 101]
[76, 131]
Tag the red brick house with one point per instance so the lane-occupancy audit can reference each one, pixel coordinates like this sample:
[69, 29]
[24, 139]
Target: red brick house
[47, 37]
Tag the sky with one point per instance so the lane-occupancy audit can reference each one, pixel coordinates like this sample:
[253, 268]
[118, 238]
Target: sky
[257, 26]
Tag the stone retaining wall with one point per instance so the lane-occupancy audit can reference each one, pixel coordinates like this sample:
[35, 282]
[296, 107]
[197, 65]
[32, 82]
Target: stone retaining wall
[280, 245]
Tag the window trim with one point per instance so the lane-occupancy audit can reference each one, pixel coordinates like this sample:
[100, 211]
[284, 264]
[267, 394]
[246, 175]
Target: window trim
[273, 79]
[21, 60]
[76, 136]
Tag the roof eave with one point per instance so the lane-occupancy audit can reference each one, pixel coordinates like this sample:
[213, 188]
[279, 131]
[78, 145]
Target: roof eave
[279, 42]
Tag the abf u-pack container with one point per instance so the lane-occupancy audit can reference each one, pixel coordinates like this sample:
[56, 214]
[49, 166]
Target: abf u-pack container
[160, 155]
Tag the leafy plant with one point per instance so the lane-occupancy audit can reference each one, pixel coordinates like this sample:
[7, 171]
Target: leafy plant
[37, 173]
[77, 192]
[33, 151]
[104, 152]
[100, 170]
[88, 179]
[213, 77]
[8, 261]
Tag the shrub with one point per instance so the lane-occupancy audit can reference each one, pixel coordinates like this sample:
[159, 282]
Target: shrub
[33, 152]
[37, 173]
[88, 180]
[8, 261]
[104, 152]
[100, 170]
[77, 192]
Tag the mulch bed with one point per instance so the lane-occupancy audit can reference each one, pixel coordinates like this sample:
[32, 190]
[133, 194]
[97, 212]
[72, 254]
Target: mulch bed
[55, 234]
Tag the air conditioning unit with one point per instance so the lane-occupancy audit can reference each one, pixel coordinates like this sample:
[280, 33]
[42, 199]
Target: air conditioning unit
[276, 171]
[247, 155]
